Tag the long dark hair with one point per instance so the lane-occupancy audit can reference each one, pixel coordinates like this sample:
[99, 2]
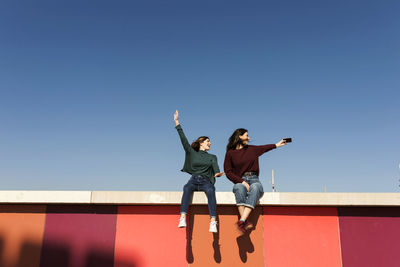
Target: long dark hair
[196, 144]
[234, 140]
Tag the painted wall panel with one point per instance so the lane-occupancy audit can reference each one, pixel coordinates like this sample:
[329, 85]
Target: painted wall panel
[141, 236]
[149, 236]
[301, 236]
[370, 237]
[79, 236]
[21, 235]
[228, 247]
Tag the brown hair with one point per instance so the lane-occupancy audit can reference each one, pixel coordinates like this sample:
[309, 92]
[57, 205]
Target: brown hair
[234, 140]
[196, 144]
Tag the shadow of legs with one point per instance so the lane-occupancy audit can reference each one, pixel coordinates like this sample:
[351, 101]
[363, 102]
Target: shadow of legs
[245, 246]
[244, 242]
[189, 236]
[216, 246]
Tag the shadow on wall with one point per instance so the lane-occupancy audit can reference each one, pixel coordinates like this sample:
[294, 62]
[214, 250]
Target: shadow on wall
[19, 227]
[60, 257]
[189, 237]
[245, 245]
[1, 251]
[227, 216]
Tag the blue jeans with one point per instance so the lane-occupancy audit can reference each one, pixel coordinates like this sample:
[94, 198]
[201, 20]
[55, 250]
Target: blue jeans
[248, 199]
[199, 183]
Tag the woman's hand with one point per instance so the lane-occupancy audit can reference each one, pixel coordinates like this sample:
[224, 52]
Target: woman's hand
[281, 143]
[219, 174]
[176, 117]
[246, 185]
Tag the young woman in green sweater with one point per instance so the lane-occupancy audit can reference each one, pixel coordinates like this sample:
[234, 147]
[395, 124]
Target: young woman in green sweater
[204, 169]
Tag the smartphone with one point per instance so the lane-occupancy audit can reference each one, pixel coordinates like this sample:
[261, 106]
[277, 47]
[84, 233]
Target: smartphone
[288, 140]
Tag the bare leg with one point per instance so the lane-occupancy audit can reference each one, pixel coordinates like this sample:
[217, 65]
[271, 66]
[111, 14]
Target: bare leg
[240, 209]
[183, 215]
[246, 212]
[212, 219]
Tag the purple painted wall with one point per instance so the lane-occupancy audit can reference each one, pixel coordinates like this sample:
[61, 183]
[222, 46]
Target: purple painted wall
[370, 237]
[79, 236]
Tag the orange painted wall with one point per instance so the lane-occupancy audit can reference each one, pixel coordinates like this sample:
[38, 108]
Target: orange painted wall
[148, 236]
[301, 237]
[21, 235]
[228, 247]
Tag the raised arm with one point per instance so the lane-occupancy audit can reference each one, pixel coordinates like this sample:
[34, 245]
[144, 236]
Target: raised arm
[176, 118]
[178, 127]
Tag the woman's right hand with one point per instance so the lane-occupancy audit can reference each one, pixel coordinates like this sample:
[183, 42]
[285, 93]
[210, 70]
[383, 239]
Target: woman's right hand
[281, 143]
[246, 185]
[176, 117]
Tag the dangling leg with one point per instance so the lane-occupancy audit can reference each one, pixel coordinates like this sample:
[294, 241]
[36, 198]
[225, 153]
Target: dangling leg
[255, 193]
[186, 196]
[209, 189]
[240, 192]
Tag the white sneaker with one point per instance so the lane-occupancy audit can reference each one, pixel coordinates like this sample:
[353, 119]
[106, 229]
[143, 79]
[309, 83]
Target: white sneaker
[182, 222]
[213, 227]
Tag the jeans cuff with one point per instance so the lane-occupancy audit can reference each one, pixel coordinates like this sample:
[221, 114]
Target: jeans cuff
[249, 206]
[240, 204]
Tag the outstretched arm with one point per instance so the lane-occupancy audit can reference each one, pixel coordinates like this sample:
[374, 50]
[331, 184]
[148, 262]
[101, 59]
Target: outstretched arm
[178, 127]
[262, 149]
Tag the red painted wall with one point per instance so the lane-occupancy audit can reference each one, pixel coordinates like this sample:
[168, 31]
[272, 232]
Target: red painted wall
[149, 236]
[301, 237]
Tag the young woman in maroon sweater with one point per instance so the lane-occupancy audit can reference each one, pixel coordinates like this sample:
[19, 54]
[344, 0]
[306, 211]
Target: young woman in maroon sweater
[241, 167]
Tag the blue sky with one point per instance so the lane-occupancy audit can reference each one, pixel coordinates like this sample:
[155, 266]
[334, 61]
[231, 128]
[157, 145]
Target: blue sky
[88, 90]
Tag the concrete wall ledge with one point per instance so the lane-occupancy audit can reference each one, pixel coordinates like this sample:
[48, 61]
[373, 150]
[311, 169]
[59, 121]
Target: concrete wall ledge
[174, 198]
[45, 197]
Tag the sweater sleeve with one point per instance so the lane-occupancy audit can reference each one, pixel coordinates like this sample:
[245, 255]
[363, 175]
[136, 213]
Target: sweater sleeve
[262, 149]
[215, 165]
[184, 140]
[229, 170]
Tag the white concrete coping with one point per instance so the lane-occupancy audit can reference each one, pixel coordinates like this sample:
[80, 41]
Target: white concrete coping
[174, 198]
[45, 196]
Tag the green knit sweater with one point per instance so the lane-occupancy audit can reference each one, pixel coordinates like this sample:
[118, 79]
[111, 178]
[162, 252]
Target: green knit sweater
[198, 162]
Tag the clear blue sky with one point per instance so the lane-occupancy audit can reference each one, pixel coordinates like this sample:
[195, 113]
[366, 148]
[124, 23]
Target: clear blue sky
[88, 90]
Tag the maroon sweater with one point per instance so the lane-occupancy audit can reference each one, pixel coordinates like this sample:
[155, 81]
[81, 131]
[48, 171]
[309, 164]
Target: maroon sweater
[237, 162]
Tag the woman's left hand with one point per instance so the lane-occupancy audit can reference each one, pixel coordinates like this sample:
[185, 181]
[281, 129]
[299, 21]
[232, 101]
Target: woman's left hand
[176, 117]
[281, 143]
[219, 174]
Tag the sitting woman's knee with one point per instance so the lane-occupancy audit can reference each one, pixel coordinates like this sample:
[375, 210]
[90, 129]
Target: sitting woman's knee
[238, 187]
[257, 187]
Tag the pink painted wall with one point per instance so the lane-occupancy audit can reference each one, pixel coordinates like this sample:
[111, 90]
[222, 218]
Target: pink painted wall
[301, 237]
